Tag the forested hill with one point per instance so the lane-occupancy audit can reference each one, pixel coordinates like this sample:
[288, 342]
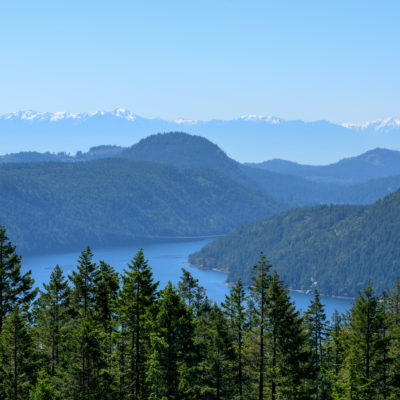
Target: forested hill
[58, 206]
[187, 151]
[373, 164]
[336, 249]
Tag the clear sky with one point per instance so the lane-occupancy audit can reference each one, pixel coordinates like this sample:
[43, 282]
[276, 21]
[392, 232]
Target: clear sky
[335, 60]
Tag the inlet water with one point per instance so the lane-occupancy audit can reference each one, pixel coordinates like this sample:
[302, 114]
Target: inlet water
[167, 258]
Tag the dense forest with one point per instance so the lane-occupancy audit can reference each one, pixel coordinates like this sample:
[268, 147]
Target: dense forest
[171, 184]
[99, 335]
[113, 201]
[336, 249]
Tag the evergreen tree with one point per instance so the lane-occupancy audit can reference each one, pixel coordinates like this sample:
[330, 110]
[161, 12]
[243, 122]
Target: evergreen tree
[192, 292]
[288, 357]
[106, 296]
[317, 326]
[52, 316]
[365, 347]
[15, 289]
[136, 308]
[85, 338]
[172, 361]
[214, 339]
[394, 334]
[259, 294]
[17, 368]
[44, 388]
[235, 311]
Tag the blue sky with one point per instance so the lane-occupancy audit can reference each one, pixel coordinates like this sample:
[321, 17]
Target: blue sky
[310, 60]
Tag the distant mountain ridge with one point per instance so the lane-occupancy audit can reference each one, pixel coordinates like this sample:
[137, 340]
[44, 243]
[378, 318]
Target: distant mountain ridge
[318, 142]
[377, 163]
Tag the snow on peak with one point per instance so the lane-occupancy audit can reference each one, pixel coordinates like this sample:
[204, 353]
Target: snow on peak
[377, 125]
[124, 113]
[253, 117]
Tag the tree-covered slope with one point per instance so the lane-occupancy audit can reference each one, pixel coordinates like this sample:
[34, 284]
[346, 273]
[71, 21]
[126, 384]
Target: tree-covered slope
[55, 206]
[335, 248]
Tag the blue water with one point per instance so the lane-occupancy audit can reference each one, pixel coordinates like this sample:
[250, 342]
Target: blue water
[167, 259]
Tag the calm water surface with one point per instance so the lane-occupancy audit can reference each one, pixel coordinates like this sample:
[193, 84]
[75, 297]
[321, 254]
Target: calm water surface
[167, 259]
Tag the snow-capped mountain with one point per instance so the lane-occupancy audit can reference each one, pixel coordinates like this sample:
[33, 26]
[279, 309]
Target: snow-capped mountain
[247, 138]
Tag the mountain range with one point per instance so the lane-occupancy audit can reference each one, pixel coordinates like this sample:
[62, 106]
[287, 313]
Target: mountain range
[318, 142]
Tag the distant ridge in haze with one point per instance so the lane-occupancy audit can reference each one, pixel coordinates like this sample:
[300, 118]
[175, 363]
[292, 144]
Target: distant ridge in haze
[373, 164]
[248, 138]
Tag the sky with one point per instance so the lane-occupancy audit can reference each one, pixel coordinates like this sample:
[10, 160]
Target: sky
[309, 60]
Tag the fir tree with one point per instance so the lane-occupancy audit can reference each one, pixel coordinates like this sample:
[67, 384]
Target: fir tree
[235, 311]
[259, 294]
[17, 355]
[173, 355]
[192, 292]
[52, 315]
[85, 337]
[15, 289]
[136, 309]
[317, 326]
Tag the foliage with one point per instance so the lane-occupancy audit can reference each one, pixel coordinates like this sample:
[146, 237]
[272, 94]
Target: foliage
[336, 249]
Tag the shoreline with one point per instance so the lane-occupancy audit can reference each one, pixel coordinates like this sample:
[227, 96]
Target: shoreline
[302, 291]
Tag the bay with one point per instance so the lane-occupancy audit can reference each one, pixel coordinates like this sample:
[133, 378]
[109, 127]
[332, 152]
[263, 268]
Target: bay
[167, 258]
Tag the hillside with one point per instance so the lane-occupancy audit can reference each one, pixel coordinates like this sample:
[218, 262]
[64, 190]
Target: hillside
[334, 248]
[373, 164]
[56, 206]
[189, 151]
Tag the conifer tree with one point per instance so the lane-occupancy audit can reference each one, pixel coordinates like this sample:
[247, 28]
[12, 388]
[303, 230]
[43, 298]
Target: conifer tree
[287, 371]
[52, 318]
[317, 326]
[214, 340]
[394, 334]
[85, 337]
[17, 370]
[192, 292]
[173, 357]
[106, 295]
[235, 311]
[137, 309]
[259, 295]
[365, 346]
[15, 289]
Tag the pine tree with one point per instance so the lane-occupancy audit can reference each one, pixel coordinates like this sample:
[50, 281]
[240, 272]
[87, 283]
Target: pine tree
[173, 356]
[259, 294]
[15, 289]
[136, 308]
[235, 311]
[317, 326]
